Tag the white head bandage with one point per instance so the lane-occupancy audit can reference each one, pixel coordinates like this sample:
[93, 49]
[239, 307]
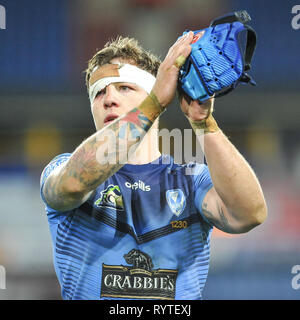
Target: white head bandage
[122, 73]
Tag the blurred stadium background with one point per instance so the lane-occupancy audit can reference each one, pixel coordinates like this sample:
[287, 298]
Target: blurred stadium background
[45, 111]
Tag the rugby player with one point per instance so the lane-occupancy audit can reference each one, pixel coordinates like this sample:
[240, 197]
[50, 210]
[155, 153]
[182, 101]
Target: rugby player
[126, 221]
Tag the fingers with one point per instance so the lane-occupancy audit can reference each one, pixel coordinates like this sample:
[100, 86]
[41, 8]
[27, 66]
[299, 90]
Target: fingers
[196, 111]
[180, 50]
[183, 41]
[198, 36]
[179, 62]
[184, 37]
[167, 75]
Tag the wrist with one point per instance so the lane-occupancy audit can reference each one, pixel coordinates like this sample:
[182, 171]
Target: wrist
[208, 124]
[151, 107]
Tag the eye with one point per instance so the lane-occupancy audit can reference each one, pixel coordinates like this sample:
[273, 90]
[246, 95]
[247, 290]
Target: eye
[125, 88]
[100, 92]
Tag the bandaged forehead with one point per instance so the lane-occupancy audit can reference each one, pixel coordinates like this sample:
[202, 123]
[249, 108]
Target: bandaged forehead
[112, 73]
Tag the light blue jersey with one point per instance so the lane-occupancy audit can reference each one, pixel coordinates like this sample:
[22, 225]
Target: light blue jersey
[141, 235]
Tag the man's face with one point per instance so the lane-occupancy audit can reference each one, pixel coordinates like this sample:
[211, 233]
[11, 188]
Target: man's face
[115, 100]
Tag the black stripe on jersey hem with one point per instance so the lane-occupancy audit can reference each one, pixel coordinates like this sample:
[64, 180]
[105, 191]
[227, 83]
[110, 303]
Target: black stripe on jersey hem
[126, 228]
[67, 253]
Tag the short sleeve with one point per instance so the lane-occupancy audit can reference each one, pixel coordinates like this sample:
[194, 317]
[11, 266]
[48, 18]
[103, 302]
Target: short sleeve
[56, 162]
[202, 183]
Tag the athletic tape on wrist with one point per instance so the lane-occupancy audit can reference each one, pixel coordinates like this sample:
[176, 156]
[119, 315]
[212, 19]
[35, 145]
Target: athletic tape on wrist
[208, 125]
[151, 107]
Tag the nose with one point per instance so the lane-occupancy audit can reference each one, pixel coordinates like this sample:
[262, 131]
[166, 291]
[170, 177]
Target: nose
[110, 97]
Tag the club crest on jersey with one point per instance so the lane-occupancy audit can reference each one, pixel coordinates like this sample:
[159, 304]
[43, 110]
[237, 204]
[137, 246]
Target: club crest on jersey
[110, 197]
[176, 201]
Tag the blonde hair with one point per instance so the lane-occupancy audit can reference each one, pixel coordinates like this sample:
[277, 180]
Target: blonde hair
[127, 49]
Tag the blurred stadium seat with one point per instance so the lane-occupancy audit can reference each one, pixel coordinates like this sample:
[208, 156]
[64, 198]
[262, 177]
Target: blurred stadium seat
[45, 111]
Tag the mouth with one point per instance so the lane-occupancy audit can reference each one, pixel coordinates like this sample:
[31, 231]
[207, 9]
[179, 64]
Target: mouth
[109, 118]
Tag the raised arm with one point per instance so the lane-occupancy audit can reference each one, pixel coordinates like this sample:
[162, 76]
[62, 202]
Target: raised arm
[94, 161]
[236, 203]
[98, 157]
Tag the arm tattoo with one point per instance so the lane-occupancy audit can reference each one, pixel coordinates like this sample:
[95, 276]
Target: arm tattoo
[96, 159]
[219, 220]
[86, 164]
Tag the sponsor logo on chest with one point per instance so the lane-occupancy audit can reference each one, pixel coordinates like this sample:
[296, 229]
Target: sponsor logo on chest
[139, 280]
[138, 185]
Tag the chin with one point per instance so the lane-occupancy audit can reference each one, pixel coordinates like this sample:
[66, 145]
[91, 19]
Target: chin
[98, 128]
